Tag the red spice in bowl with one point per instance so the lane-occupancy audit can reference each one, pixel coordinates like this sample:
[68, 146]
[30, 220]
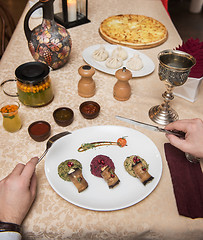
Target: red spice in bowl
[39, 130]
[89, 109]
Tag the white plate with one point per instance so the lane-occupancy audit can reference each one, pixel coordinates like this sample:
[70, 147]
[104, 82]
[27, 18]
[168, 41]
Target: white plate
[98, 196]
[147, 62]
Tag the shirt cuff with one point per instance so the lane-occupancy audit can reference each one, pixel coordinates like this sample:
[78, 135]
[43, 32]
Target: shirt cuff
[10, 236]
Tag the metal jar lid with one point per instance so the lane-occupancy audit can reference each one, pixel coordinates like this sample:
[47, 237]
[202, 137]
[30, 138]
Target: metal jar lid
[32, 72]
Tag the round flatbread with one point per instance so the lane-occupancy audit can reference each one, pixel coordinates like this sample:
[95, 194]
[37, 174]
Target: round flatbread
[66, 166]
[128, 163]
[135, 31]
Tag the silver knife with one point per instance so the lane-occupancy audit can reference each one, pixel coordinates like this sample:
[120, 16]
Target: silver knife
[152, 127]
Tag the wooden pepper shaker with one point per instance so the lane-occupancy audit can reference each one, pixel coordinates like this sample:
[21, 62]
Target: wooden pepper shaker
[122, 89]
[86, 85]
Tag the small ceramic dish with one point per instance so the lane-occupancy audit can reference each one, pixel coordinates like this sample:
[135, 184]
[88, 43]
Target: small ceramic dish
[63, 116]
[89, 109]
[39, 130]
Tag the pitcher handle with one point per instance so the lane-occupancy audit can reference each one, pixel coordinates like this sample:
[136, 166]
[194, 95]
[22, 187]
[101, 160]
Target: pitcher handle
[27, 30]
[8, 94]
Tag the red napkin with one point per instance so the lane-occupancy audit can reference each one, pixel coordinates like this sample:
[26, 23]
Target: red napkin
[187, 179]
[195, 48]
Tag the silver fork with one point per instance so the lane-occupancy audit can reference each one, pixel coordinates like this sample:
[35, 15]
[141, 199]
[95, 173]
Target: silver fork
[51, 141]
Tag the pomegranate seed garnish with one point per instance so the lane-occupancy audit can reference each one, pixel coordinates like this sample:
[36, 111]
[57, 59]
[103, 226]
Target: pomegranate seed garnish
[70, 164]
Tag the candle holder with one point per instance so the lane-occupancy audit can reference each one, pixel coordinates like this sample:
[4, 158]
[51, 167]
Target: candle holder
[74, 13]
[174, 68]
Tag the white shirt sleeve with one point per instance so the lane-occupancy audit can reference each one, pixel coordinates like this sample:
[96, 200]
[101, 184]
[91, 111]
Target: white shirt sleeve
[10, 236]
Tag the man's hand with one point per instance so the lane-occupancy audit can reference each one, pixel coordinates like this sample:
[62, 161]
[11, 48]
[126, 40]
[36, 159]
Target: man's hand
[193, 142]
[17, 192]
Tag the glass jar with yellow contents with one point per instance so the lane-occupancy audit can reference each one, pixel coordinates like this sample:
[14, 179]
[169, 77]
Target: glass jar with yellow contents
[11, 119]
[33, 84]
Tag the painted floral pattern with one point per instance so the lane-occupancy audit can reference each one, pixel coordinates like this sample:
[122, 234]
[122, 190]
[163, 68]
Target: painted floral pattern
[51, 44]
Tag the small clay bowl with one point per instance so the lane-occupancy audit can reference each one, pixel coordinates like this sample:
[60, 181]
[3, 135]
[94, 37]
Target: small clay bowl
[39, 130]
[63, 116]
[89, 109]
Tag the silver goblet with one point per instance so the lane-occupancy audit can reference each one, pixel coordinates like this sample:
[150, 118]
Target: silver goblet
[174, 68]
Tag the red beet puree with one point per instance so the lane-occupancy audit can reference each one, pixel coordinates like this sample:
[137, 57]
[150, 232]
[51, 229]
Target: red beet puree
[39, 128]
[99, 162]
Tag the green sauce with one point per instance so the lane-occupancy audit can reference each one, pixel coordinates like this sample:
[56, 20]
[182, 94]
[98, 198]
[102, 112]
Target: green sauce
[129, 163]
[63, 114]
[66, 166]
[87, 146]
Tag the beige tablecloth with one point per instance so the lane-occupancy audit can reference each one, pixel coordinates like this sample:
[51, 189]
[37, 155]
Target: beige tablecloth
[51, 217]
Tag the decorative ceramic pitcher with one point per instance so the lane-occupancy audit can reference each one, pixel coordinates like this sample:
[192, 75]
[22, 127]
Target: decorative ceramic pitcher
[49, 42]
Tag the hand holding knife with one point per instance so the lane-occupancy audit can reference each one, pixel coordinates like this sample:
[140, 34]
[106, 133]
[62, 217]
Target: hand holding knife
[152, 127]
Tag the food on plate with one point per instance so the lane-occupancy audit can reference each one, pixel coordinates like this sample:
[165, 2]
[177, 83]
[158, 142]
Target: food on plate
[120, 53]
[121, 142]
[77, 179]
[100, 54]
[142, 173]
[66, 166]
[136, 31]
[71, 170]
[128, 164]
[99, 162]
[109, 176]
[135, 63]
[103, 167]
[114, 62]
[138, 167]
[87, 146]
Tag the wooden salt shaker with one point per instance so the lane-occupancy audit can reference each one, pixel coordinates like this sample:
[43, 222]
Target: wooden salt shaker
[86, 85]
[122, 89]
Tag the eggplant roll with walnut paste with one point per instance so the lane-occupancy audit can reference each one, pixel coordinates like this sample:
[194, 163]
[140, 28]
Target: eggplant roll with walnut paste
[77, 179]
[138, 167]
[109, 176]
[71, 170]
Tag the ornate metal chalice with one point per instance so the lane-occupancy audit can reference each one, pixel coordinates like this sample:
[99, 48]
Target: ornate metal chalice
[174, 68]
